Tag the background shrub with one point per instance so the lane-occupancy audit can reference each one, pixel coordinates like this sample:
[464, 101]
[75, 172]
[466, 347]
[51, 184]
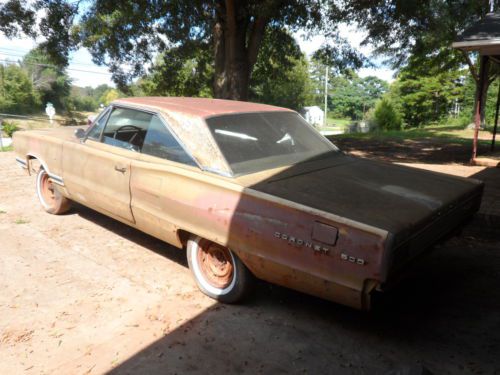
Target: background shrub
[385, 115]
[9, 128]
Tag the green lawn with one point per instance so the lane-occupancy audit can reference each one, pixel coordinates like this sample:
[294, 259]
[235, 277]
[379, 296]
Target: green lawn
[8, 148]
[332, 122]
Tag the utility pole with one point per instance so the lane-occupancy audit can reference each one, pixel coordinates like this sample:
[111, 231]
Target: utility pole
[326, 96]
[2, 86]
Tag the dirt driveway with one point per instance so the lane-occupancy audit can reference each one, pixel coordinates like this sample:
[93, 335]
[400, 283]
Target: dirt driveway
[83, 294]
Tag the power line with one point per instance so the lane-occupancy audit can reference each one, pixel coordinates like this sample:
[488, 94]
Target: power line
[55, 67]
[20, 53]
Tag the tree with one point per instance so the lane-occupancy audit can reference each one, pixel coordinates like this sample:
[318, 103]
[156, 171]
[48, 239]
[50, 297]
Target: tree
[192, 77]
[386, 116]
[16, 91]
[109, 95]
[126, 35]
[351, 96]
[426, 98]
[419, 33]
[281, 75]
[49, 80]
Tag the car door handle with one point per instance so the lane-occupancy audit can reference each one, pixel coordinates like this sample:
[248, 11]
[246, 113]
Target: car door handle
[120, 169]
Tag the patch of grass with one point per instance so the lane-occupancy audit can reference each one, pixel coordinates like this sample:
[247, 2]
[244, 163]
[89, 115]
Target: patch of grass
[5, 149]
[336, 123]
[21, 221]
[2, 212]
[445, 133]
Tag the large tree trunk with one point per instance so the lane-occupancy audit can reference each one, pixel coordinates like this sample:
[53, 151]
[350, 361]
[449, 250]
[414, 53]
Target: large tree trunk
[237, 39]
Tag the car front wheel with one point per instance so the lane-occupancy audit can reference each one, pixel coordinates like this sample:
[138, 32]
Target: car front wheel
[50, 198]
[219, 273]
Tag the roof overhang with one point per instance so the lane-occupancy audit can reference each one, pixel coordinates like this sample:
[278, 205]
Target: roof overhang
[484, 47]
[482, 36]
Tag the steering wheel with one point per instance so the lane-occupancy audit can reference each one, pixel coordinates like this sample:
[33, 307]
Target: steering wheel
[132, 127]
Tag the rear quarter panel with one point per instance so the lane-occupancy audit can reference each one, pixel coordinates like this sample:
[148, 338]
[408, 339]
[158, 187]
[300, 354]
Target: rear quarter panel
[167, 199]
[42, 145]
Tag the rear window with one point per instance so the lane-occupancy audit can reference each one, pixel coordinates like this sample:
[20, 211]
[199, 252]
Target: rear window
[251, 142]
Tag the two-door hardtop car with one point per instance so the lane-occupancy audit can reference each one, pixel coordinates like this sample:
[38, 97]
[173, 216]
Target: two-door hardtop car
[249, 190]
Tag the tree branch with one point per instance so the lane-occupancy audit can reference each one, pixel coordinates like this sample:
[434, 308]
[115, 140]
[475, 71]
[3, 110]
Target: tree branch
[472, 68]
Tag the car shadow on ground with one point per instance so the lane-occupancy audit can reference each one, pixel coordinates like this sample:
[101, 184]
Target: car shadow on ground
[132, 234]
[444, 315]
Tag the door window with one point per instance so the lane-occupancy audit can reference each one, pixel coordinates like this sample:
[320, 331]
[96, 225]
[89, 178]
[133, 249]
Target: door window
[96, 130]
[126, 128]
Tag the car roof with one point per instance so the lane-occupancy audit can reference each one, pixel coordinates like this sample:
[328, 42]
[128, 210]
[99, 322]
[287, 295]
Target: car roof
[197, 107]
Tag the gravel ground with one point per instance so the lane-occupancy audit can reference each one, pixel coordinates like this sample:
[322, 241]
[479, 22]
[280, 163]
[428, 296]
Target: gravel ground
[83, 294]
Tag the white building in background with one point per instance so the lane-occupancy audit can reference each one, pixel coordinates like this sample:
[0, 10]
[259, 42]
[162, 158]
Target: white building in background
[313, 115]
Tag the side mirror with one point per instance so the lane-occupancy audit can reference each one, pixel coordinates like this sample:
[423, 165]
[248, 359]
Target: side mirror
[80, 133]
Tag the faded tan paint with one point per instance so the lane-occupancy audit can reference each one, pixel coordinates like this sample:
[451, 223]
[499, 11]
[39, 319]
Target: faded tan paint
[165, 199]
[98, 175]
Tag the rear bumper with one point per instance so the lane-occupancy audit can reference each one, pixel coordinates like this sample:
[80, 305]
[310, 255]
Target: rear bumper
[401, 252]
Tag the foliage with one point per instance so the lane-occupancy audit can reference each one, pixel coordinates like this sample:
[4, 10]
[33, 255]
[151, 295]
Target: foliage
[16, 91]
[428, 98]
[109, 95]
[419, 34]
[128, 33]
[289, 88]
[9, 128]
[178, 73]
[51, 82]
[386, 116]
[416, 30]
[281, 74]
[351, 96]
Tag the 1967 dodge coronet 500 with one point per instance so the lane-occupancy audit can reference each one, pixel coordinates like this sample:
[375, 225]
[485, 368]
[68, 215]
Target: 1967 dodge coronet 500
[249, 190]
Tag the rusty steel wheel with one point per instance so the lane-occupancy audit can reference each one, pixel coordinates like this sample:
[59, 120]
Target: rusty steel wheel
[216, 264]
[50, 198]
[219, 273]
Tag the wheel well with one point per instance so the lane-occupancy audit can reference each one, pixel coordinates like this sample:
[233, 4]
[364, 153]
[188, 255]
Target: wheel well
[29, 161]
[183, 236]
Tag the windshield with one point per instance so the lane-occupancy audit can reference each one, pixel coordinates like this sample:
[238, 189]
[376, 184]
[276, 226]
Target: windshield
[252, 142]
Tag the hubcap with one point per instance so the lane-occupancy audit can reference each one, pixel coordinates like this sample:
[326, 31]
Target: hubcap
[216, 264]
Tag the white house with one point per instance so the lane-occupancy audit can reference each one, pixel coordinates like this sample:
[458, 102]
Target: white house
[313, 115]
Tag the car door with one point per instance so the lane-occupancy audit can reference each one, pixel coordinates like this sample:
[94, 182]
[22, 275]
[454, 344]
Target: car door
[97, 169]
[160, 182]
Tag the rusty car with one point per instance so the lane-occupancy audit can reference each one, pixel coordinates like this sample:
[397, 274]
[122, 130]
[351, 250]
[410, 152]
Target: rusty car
[249, 191]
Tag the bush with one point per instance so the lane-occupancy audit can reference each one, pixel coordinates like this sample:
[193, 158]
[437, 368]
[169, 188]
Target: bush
[385, 116]
[84, 103]
[9, 128]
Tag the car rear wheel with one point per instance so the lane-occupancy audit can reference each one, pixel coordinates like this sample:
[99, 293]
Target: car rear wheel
[50, 198]
[219, 273]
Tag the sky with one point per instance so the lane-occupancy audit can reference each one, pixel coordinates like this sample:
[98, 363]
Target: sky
[355, 37]
[85, 73]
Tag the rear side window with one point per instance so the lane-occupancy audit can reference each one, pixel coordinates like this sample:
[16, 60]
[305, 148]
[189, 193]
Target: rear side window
[160, 142]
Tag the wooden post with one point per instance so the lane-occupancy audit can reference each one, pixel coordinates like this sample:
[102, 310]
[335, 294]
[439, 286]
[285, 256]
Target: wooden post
[496, 121]
[480, 101]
